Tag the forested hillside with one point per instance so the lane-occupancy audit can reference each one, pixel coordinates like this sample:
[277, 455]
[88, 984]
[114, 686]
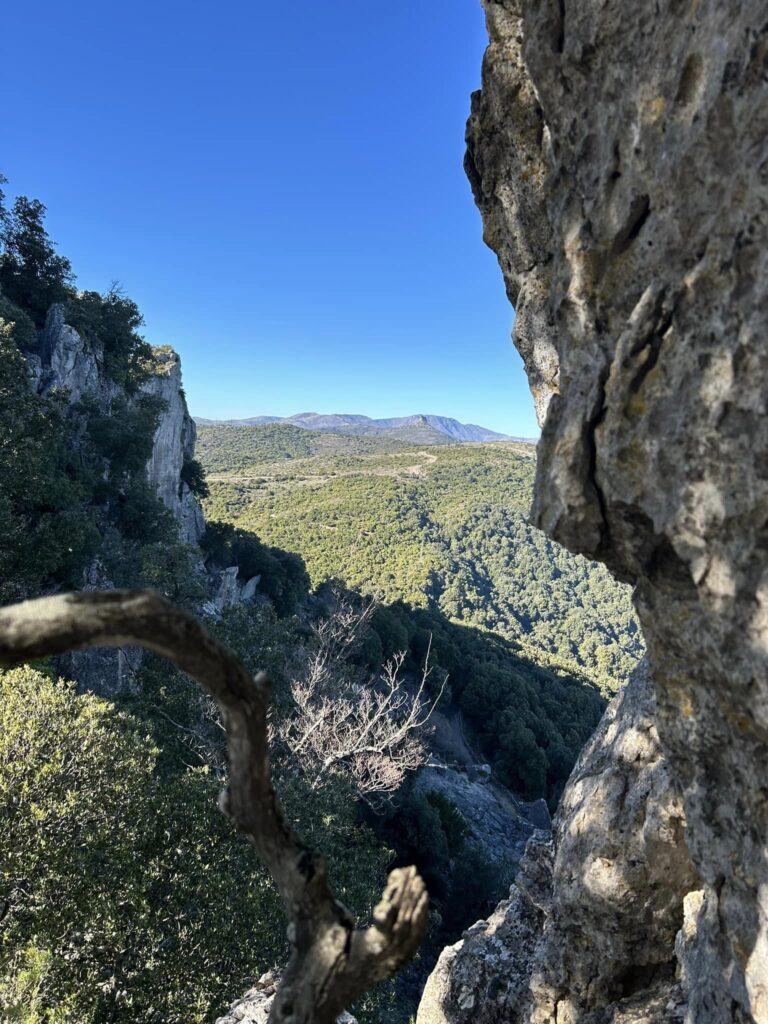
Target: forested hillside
[443, 528]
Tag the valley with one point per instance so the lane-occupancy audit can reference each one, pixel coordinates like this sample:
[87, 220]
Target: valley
[444, 527]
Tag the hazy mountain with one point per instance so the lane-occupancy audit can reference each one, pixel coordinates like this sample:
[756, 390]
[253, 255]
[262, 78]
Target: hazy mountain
[345, 423]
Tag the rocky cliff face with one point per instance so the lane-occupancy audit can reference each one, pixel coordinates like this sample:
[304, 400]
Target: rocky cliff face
[591, 922]
[70, 364]
[619, 155]
[174, 444]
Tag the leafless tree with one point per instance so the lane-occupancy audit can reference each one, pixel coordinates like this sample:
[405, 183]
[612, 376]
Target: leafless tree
[331, 962]
[371, 728]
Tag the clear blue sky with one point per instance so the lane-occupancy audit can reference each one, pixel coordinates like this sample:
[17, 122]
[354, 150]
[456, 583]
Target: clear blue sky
[280, 188]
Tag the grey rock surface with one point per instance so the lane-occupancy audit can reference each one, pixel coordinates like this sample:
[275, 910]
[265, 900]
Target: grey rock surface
[174, 442]
[618, 152]
[484, 978]
[592, 919]
[255, 1005]
[67, 361]
[228, 590]
[499, 826]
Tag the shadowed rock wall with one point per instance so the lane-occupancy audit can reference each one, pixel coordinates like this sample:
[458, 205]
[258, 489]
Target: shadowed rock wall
[618, 152]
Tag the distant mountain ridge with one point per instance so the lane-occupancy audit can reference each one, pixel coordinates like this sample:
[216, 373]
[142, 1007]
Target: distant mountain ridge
[347, 423]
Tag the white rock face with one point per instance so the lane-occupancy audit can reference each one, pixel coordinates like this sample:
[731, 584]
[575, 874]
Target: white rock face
[67, 360]
[174, 442]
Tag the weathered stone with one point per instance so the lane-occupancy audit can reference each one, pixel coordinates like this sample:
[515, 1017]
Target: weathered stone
[484, 978]
[174, 443]
[619, 155]
[250, 587]
[67, 362]
[255, 1004]
[592, 919]
[499, 826]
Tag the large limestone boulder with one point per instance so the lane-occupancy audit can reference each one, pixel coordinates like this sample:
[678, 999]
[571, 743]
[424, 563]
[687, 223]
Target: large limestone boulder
[618, 152]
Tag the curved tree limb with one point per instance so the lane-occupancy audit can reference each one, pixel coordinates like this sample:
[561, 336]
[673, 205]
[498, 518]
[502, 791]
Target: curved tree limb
[331, 961]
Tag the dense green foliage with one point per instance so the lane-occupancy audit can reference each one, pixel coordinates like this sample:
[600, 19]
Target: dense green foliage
[112, 322]
[530, 720]
[130, 897]
[283, 578]
[193, 475]
[444, 528]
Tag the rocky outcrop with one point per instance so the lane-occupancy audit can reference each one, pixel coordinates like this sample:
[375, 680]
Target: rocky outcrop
[255, 1005]
[174, 445]
[72, 365]
[66, 362]
[592, 919]
[498, 825]
[619, 155]
[229, 590]
[485, 977]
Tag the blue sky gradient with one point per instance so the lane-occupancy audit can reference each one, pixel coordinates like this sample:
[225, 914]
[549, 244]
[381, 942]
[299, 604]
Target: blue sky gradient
[280, 188]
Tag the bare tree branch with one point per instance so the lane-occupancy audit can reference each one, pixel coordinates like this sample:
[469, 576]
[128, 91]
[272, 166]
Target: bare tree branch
[331, 961]
[371, 727]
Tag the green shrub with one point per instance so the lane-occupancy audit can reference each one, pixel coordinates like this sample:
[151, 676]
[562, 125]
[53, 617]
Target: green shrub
[452, 821]
[124, 433]
[130, 897]
[23, 331]
[193, 475]
[135, 892]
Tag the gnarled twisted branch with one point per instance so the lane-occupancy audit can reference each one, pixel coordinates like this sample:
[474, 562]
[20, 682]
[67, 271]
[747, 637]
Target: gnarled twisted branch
[331, 961]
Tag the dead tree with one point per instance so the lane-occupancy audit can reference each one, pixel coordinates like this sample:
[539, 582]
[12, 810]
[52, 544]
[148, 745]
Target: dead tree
[372, 730]
[331, 962]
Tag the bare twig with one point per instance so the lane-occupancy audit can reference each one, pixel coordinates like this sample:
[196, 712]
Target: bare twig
[331, 961]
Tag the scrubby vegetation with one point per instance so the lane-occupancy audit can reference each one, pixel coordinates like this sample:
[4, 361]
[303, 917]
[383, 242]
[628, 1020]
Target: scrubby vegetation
[231, 448]
[127, 895]
[47, 525]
